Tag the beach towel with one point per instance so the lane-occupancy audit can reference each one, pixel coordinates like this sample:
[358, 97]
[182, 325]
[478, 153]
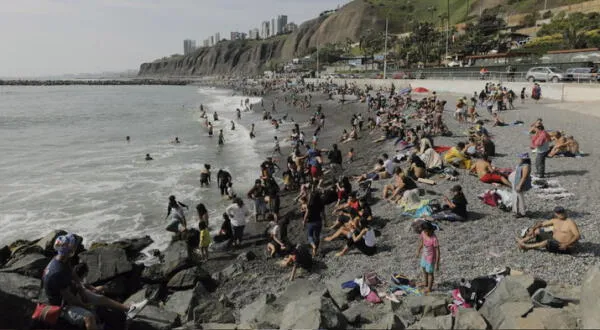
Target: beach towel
[432, 159]
[409, 290]
[442, 149]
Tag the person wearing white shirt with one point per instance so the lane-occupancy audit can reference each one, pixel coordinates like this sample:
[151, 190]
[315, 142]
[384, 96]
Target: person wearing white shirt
[237, 213]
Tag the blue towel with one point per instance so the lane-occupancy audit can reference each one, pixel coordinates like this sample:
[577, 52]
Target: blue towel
[349, 285]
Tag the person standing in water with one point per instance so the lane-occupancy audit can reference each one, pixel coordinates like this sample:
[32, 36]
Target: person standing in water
[223, 180]
[175, 210]
[210, 129]
[276, 147]
[205, 176]
[215, 116]
[127, 138]
[252, 135]
[232, 126]
[221, 138]
[239, 113]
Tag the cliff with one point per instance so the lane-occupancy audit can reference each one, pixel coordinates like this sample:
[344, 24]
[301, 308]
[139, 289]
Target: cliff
[250, 56]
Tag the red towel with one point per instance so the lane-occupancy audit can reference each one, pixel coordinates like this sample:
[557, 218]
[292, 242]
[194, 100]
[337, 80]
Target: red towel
[441, 149]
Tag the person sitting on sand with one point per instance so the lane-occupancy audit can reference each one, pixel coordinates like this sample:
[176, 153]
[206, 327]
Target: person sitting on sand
[572, 147]
[417, 168]
[455, 208]
[402, 183]
[343, 189]
[352, 136]
[362, 238]
[562, 236]
[347, 227]
[487, 173]
[457, 157]
[344, 211]
[497, 120]
[378, 172]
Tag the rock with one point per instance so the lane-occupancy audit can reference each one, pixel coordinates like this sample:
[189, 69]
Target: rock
[16, 295]
[153, 292]
[361, 312]
[179, 302]
[132, 246]
[29, 265]
[219, 326]
[469, 319]
[547, 318]
[153, 274]
[214, 312]
[105, 263]
[510, 289]
[508, 315]
[427, 305]
[590, 299]
[312, 312]
[154, 318]
[199, 295]
[389, 321]
[124, 285]
[4, 255]
[183, 280]
[246, 256]
[177, 257]
[229, 272]
[341, 297]
[258, 311]
[429, 322]
[46, 243]
[23, 250]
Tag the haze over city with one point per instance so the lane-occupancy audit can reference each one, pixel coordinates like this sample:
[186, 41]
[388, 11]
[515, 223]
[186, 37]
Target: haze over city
[55, 37]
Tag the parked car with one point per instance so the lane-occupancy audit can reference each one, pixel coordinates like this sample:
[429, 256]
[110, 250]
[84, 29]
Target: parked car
[545, 73]
[582, 74]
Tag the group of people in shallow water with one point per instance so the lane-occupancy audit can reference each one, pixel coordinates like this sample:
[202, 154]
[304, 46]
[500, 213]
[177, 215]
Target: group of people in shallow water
[411, 126]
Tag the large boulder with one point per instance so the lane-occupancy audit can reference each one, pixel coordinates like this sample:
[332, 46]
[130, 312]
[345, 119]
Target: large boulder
[29, 265]
[187, 279]
[16, 300]
[390, 321]
[341, 297]
[590, 299]
[177, 257]
[105, 263]
[313, 312]
[46, 243]
[510, 289]
[124, 285]
[180, 302]
[469, 319]
[153, 292]
[132, 246]
[220, 311]
[427, 305]
[155, 318]
[4, 255]
[153, 274]
[430, 322]
[547, 318]
[229, 272]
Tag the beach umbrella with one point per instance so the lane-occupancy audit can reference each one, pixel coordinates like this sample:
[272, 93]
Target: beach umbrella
[404, 91]
[420, 90]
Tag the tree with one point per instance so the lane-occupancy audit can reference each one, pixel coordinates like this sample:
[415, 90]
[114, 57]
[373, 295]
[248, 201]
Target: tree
[483, 36]
[576, 29]
[371, 42]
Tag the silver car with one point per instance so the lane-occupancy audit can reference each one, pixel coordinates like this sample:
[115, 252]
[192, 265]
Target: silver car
[545, 73]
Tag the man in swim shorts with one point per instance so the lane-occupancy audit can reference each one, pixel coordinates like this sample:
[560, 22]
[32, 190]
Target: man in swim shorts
[557, 235]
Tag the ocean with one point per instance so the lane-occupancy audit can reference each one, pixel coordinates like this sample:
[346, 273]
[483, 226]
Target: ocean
[66, 163]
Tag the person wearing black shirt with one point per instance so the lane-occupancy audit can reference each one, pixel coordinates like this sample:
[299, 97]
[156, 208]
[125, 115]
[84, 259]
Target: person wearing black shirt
[313, 220]
[456, 208]
[223, 180]
[335, 157]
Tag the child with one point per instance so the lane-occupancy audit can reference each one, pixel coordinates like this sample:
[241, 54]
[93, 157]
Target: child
[351, 155]
[205, 240]
[430, 258]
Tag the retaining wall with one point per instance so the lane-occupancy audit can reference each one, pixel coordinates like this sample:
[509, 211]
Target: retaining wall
[563, 92]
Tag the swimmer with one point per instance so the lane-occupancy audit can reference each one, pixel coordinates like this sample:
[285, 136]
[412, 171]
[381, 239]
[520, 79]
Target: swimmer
[148, 157]
[252, 135]
[176, 141]
[215, 116]
[210, 129]
[232, 126]
[127, 138]
[221, 138]
[201, 107]
[205, 176]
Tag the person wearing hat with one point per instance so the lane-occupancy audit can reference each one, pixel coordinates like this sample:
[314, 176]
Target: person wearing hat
[520, 180]
[563, 234]
[63, 288]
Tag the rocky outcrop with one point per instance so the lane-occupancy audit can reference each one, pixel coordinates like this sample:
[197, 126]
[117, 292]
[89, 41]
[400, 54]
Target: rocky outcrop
[250, 56]
[16, 299]
[590, 299]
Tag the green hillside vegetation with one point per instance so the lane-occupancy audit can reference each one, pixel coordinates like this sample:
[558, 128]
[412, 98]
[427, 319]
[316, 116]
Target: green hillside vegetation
[403, 13]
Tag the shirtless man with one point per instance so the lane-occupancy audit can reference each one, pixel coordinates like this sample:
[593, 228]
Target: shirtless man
[487, 173]
[401, 184]
[560, 239]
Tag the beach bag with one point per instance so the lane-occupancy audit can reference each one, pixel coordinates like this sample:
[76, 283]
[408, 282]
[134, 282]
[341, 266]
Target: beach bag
[372, 279]
[543, 298]
[400, 279]
[491, 198]
[372, 297]
[46, 314]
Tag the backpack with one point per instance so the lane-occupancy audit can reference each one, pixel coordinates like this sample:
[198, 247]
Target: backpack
[364, 190]
[475, 292]
[543, 298]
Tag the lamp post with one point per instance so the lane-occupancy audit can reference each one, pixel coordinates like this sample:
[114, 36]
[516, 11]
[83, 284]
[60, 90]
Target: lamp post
[385, 49]
[447, 27]
[318, 75]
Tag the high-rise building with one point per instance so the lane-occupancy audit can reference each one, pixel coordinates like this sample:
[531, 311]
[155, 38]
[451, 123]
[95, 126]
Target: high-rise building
[188, 46]
[212, 41]
[206, 43]
[217, 37]
[273, 27]
[264, 30]
[238, 36]
[253, 34]
[281, 23]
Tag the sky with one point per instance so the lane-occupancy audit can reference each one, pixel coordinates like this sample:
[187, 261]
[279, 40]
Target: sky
[54, 37]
